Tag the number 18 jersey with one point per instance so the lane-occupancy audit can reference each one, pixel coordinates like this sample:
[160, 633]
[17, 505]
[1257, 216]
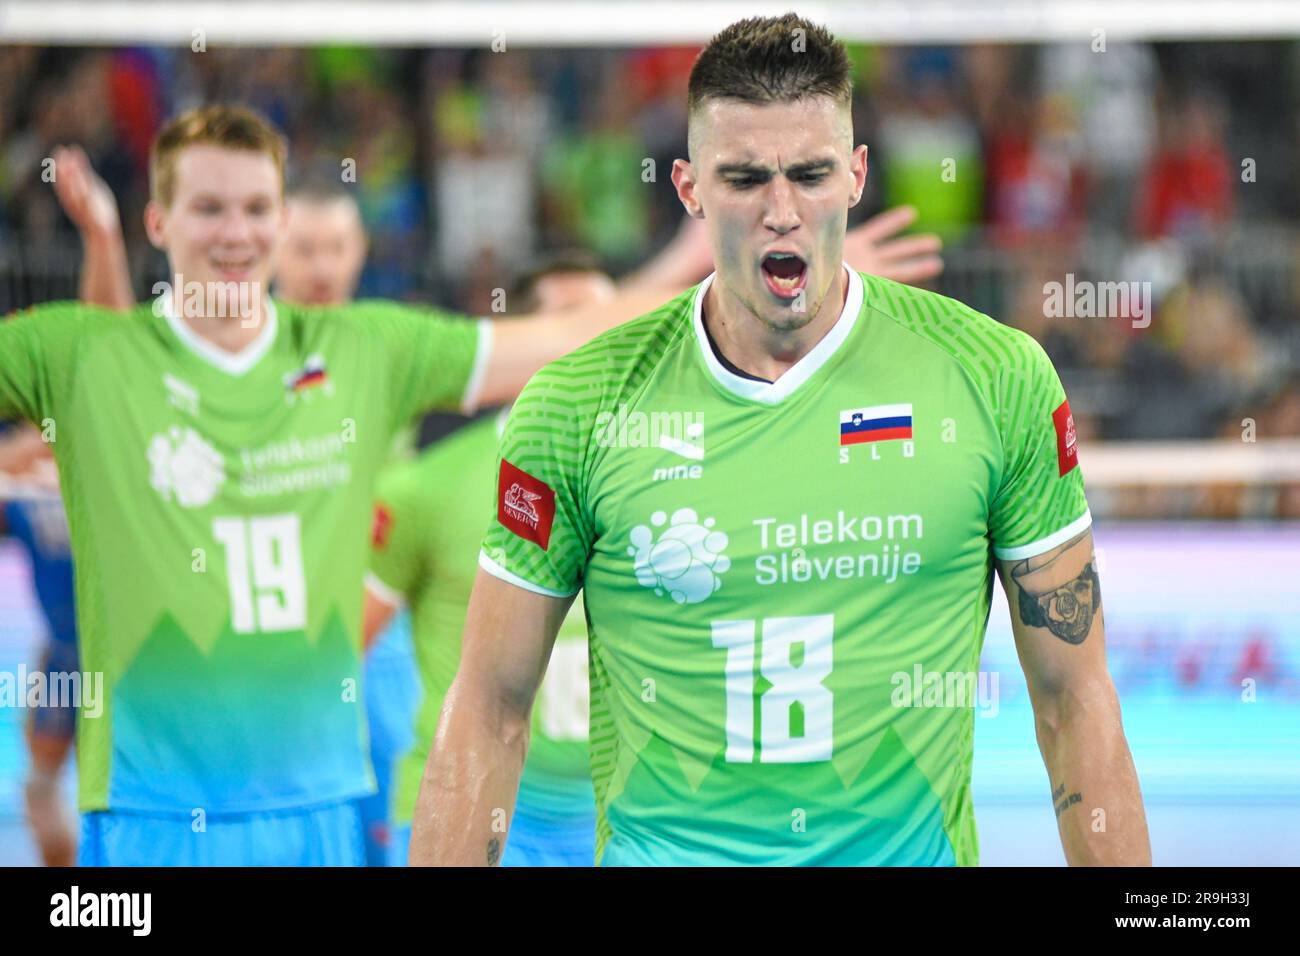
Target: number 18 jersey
[787, 584]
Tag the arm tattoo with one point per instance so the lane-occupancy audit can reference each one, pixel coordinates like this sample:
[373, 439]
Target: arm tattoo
[493, 852]
[1066, 608]
[1063, 802]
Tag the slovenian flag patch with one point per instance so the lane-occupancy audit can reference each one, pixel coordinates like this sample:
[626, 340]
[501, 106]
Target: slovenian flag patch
[878, 423]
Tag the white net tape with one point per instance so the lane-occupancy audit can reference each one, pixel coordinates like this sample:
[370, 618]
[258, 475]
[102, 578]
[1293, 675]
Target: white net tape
[1190, 463]
[627, 22]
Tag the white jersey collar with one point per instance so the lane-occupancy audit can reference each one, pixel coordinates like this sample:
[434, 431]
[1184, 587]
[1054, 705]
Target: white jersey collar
[232, 363]
[772, 392]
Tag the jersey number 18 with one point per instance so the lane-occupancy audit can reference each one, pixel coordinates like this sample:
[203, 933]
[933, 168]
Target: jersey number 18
[792, 687]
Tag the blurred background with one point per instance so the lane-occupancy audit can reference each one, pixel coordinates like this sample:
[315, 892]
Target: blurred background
[1075, 144]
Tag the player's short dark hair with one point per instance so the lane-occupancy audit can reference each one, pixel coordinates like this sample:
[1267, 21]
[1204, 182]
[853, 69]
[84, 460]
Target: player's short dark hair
[319, 189]
[523, 293]
[771, 60]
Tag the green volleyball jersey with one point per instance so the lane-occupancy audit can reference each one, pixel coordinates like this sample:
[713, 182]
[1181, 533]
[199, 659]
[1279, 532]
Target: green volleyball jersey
[219, 506]
[778, 575]
[428, 525]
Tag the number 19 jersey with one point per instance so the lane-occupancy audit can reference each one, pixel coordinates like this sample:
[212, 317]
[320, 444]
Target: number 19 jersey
[787, 584]
[219, 506]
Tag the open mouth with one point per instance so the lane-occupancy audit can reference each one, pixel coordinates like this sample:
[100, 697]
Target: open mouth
[785, 273]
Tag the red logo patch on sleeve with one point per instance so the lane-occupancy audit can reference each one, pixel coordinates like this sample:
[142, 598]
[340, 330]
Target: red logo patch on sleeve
[525, 505]
[1067, 443]
[383, 523]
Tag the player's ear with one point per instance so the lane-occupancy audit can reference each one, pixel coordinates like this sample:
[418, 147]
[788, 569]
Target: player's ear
[685, 182]
[858, 170]
[155, 224]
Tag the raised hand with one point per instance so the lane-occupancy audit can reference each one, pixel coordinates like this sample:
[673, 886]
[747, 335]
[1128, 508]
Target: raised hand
[89, 203]
[876, 248]
[85, 197]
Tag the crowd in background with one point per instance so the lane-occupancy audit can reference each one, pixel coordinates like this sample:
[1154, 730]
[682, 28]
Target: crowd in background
[1169, 163]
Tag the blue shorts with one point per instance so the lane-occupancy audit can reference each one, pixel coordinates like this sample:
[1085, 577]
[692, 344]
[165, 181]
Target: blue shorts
[57, 723]
[328, 835]
[392, 692]
[533, 841]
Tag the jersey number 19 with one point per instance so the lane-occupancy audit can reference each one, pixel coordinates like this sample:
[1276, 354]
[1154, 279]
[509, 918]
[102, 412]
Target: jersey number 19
[264, 568]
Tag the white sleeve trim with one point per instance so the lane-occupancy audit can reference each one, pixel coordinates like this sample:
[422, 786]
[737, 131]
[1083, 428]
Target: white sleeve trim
[1078, 526]
[384, 591]
[494, 569]
[478, 372]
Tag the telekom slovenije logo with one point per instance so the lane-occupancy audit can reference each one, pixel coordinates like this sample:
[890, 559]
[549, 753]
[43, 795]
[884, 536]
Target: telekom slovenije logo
[1067, 441]
[525, 505]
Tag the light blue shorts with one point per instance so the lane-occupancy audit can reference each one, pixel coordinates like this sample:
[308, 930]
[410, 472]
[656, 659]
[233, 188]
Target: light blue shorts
[533, 841]
[392, 699]
[328, 835]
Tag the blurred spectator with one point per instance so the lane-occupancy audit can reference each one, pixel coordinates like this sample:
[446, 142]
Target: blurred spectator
[1186, 192]
[1036, 173]
[1112, 95]
[1034, 161]
[931, 148]
[594, 183]
[488, 134]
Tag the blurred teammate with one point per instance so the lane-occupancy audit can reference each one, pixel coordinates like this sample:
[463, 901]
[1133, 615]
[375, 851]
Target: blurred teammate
[428, 525]
[320, 263]
[783, 495]
[217, 453]
[35, 520]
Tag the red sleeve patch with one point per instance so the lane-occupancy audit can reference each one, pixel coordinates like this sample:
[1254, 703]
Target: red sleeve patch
[383, 523]
[525, 505]
[1067, 443]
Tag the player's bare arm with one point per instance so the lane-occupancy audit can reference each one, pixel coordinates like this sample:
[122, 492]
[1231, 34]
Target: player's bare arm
[521, 346]
[684, 261]
[20, 449]
[89, 203]
[1056, 617]
[377, 613]
[470, 783]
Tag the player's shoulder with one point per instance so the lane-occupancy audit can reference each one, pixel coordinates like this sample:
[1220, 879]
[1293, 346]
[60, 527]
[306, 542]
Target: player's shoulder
[985, 347]
[84, 316]
[298, 318]
[627, 353]
[360, 317]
